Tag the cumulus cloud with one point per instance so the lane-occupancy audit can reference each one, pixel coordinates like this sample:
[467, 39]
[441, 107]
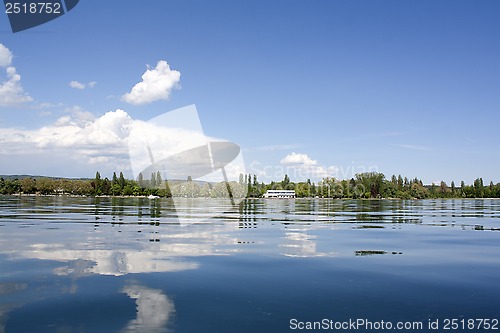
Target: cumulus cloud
[108, 131]
[301, 166]
[157, 84]
[76, 85]
[296, 158]
[113, 141]
[11, 90]
[74, 141]
[5, 56]
[81, 86]
[79, 116]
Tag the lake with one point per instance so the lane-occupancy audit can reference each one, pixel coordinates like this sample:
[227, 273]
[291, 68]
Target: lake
[72, 264]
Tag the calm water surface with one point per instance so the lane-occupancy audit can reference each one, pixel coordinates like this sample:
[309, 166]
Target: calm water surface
[128, 265]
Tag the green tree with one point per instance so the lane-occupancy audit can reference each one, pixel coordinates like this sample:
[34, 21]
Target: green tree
[479, 188]
[433, 191]
[97, 185]
[313, 190]
[443, 189]
[302, 190]
[372, 182]
[168, 192]
[418, 191]
[391, 189]
[28, 185]
[285, 181]
[159, 180]
[46, 185]
[116, 189]
[11, 186]
[346, 189]
[136, 190]
[153, 180]
[249, 185]
[106, 186]
[140, 179]
[400, 182]
[128, 190]
[121, 180]
[276, 186]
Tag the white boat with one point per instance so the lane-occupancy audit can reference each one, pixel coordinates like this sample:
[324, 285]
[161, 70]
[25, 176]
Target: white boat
[153, 196]
[282, 194]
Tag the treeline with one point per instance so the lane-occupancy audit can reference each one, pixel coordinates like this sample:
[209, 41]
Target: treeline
[120, 186]
[363, 185]
[375, 185]
[117, 185]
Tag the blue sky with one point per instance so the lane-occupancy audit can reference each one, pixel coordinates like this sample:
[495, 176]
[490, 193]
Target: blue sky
[311, 88]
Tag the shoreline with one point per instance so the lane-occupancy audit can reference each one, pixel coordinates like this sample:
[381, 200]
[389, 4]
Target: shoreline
[250, 198]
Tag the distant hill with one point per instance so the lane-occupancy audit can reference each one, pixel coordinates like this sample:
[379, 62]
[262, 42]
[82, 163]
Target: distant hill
[12, 177]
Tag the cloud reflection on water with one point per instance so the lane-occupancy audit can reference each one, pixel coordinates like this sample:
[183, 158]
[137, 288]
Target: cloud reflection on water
[68, 241]
[154, 309]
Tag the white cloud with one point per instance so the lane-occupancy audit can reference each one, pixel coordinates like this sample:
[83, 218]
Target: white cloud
[272, 147]
[298, 167]
[78, 139]
[411, 147]
[5, 56]
[304, 171]
[76, 85]
[81, 86]
[156, 84]
[45, 105]
[63, 121]
[11, 90]
[295, 158]
[107, 131]
[79, 116]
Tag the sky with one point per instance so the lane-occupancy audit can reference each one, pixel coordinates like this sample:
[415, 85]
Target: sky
[313, 89]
